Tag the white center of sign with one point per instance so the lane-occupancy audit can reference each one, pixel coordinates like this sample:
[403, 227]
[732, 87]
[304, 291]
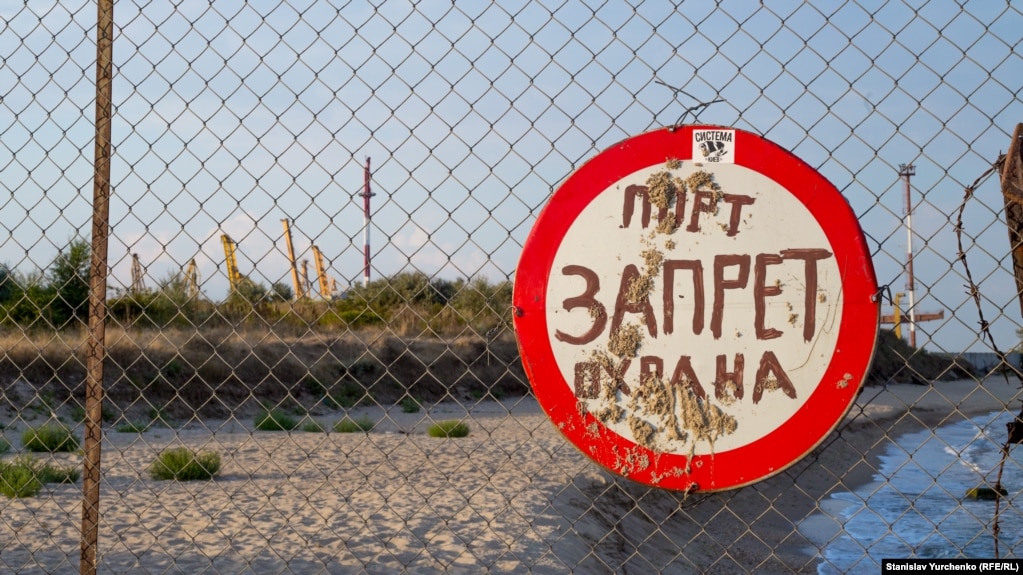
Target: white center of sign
[697, 309]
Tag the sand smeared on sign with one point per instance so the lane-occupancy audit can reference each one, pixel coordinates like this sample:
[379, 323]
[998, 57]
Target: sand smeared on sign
[660, 416]
[729, 389]
[661, 188]
[667, 225]
[705, 421]
[639, 288]
[701, 180]
[625, 341]
[663, 416]
[652, 260]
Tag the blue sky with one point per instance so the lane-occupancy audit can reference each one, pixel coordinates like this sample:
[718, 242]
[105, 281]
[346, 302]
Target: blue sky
[230, 116]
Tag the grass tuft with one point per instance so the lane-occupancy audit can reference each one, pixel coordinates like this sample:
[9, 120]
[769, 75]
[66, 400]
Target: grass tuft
[275, 420]
[409, 404]
[17, 481]
[313, 426]
[24, 476]
[184, 464]
[448, 428]
[349, 425]
[49, 437]
[57, 474]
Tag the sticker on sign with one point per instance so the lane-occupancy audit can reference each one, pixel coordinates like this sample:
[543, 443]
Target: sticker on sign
[695, 308]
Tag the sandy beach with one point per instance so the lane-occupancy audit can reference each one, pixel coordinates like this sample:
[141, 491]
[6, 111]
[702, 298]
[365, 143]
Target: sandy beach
[514, 496]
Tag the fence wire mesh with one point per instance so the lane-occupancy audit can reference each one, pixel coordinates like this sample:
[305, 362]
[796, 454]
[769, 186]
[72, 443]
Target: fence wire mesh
[307, 320]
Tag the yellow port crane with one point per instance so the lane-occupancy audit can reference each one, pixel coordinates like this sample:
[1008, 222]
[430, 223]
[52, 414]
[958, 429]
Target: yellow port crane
[192, 279]
[300, 291]
[304, 273]
[327, 285]
[231, 261]
[138, 282]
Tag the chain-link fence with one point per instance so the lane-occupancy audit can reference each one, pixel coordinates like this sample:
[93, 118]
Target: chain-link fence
[316, 214]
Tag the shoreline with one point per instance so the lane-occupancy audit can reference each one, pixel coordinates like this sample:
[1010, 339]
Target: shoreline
[898, 409]
[780, 525]
[881, 416]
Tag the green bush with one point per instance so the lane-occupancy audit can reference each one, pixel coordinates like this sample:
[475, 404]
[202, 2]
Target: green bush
[349, 425]
[56, 474]
[275, 420]
[49, 437]
[354, 318]
[25, 476]
[18, 481]
[184, 464]
[410, 405]
[5, 446]
[448, 428]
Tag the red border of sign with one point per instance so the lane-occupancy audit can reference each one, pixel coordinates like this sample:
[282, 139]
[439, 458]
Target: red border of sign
[823, 409]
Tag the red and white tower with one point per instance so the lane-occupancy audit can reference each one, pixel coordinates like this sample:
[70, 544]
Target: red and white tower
[907, 171]
[366, 195]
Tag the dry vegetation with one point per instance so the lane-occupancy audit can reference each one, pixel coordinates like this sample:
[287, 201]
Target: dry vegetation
[214, 373]
[219, 372]
[172, 352]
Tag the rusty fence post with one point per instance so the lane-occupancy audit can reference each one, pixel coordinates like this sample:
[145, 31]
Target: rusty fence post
[1012, 194]
[96, 350]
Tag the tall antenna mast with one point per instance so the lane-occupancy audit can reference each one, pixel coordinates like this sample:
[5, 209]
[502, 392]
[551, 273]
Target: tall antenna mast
[366, 195]
[907, 171]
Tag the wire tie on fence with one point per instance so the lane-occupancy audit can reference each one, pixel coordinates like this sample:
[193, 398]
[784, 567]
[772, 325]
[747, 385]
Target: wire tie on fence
[694, 110]
[881, 293]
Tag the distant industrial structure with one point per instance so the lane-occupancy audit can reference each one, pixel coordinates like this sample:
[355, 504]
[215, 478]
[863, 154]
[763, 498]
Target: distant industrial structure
[231, 262]
[367, 219]
[907, 171]
[303, 287]
[138, 282]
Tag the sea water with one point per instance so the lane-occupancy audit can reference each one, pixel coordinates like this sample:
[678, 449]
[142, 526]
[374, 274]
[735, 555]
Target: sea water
[918, 507]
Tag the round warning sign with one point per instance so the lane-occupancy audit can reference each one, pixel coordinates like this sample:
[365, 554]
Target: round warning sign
[695, 308]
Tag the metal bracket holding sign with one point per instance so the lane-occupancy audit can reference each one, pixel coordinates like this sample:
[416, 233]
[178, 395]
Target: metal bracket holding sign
[694, 308]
